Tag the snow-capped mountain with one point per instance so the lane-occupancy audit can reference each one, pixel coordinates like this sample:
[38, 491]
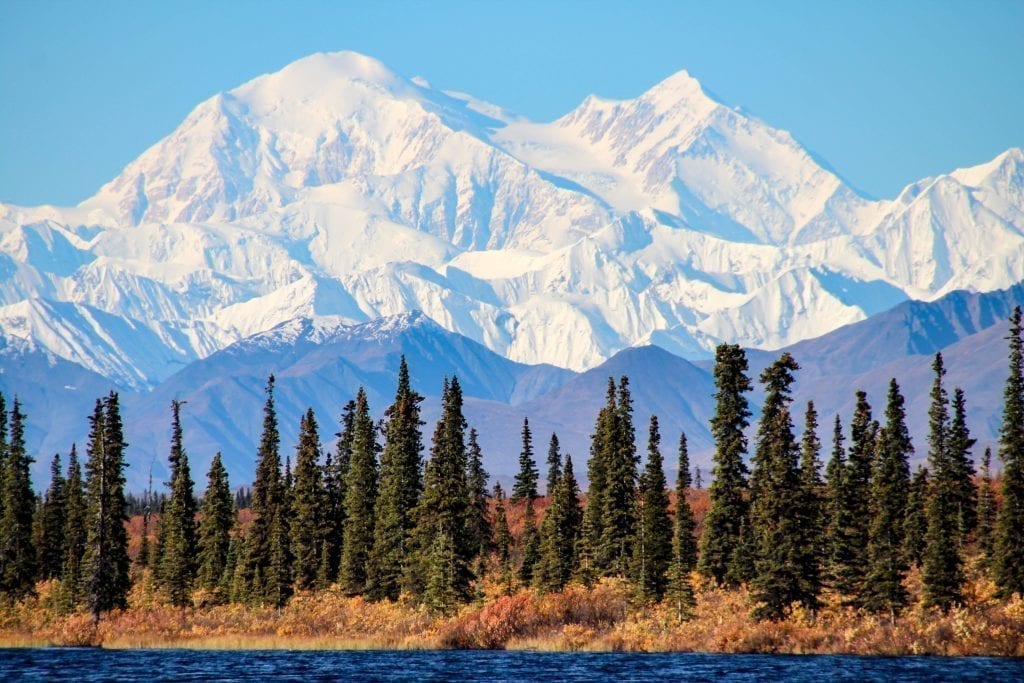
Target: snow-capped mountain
[338, 189]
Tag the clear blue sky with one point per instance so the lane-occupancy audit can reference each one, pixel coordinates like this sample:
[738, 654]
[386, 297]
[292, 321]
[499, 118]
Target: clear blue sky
[887, 92]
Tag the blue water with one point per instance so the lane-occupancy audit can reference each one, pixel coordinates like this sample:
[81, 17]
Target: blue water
[464, 666]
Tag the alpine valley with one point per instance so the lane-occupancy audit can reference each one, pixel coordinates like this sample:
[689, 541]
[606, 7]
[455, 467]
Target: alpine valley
[322, 220]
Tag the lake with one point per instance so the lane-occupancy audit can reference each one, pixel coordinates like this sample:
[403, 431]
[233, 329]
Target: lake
[59, 664]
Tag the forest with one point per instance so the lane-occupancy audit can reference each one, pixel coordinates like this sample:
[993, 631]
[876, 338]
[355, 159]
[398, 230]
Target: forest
[379, 540]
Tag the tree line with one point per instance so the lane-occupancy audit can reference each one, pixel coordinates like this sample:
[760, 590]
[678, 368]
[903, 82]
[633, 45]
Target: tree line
[373, 517]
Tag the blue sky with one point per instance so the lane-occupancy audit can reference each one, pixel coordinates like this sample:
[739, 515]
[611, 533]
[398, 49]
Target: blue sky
[886, 92]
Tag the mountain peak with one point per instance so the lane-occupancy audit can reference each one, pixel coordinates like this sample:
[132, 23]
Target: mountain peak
[680, 86]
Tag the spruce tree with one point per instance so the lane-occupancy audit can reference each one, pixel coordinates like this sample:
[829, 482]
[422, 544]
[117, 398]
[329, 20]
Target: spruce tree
[525, 486]
[177, 525]
[812, 546]
[215, 531]
[3, 447]
[684, 543]
[529, 544]
[50, 545]
[602, 441]
[728, 504]
[986, 511]
[502, 539]
[890, 485]
[307, 524]
[652, 549]
[554, 464]
[863, 435]
[560, 533]
[105, 564]
[360, 498]
[401, 482]
[962, 467]
[17, 554]
[74, 535]
[619, 517]
[777, 502]
[915, 525]
[942, 573]
[258, 576]
[478, 525]
[335, 474]
[440, 539]
[1008, 554]
[839, 533]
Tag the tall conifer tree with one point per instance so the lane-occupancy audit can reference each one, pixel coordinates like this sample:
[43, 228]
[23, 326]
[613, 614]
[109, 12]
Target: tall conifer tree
[335, 474]
[478, 525]
[812, 546]
[1008, 566]
[840, 534]
[652, 548]
[890, 485]
[17, 554]
[360, 498]
[502, 538]
[560, 531]
[177, 525]
[619, 511]
[49, 543]
[684, 542]
[915, 525]
[215, 530]
[554, 463]
[602, 441]
[74, 535]
[986, 510]
[525, 487]
[308, 497]
[962, 467]
[529, 544]
[728, 493]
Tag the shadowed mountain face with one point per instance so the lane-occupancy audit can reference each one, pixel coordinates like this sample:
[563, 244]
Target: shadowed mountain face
[322, 364]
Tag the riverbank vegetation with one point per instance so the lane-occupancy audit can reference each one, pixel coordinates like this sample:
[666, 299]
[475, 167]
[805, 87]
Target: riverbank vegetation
[368, 545]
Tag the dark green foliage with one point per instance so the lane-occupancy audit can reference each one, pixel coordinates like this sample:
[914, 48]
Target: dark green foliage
[17, 554]
[811, 546]
[684, 544]
[863, 434]
[839, 508]
[261, 577]
[178, 545]
[962, 467]
[652, 547]
[915, 525]
[215, 531]
[502, 539]
[307, 505]
[728, 504]
[890, 486]
[105, 565]
[52, 525]
[335, 474]
[560, 533]
[525, 486]
[3, 447]
[942, 573]
[441, 541]
[777, 504]
[401, 481]
[1008, 566]
[360, 498]
[74, 535]
[618, 516]
[529, 544]
[477, 524]
[554, 463]
[986, 510]
[602, 441]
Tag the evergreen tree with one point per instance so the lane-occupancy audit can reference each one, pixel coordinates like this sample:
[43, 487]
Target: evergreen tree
[619, 512]
[401, 482]
[525, 487]
[560, 533]
[74, 535]
[652, 549]
[440, 537]
[3, 447]
[890, 485]
[812, 546]
[915, 524]
[17, 554]
[307, 524]
[477, 525]
[360, 498]
[986, 510]
[1008, 554]
[177, 525]
[215, 530]
[554, 463]
[530, 544]
[863, 435]
[502, 539]
[602, 441]
[942, 573]
[777, 502]
[962, 467]
[335, 474]
[684, 542]
[105, 565]
[260, 573]
[49, 543]
[728, 504]
[839, 533]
